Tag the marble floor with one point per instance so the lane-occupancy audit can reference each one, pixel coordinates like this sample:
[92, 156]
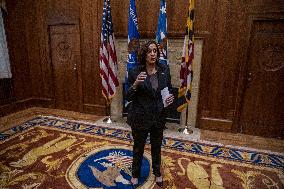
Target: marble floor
[213, 137]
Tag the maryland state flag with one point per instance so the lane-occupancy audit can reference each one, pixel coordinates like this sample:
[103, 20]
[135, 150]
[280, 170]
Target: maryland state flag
[186, 73]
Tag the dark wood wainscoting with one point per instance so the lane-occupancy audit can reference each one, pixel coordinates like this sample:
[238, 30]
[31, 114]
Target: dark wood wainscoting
[6, 91]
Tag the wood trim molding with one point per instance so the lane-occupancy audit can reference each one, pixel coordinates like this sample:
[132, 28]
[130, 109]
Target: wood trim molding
[46, 103]
[216, 124]
[24, 104]
[95, 108]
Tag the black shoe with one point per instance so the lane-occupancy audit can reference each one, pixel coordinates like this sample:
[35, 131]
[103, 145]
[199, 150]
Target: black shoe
[159, 181]
[160, 184]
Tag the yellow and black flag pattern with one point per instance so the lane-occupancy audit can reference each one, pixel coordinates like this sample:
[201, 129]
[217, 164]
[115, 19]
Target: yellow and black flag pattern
[186, 72]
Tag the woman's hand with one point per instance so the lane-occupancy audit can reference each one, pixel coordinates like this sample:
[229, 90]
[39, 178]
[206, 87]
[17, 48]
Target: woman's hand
[170, 99]
[140, 78]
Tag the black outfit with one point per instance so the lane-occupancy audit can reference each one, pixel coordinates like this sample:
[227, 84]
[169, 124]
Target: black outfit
[147, 115]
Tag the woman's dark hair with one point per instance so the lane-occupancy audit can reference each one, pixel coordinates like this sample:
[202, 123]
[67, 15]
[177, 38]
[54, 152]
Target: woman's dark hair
[144, 50]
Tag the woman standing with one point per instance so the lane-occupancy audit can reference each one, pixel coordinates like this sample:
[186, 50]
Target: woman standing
[147, 112]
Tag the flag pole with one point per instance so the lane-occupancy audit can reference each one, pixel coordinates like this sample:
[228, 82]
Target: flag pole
[108, 119]
[108, 101]
[108, 64]
[186, 130]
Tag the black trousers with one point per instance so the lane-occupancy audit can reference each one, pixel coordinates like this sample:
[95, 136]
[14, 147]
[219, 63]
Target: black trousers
[139, 137]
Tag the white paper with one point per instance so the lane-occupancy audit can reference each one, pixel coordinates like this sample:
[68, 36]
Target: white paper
[165, 94]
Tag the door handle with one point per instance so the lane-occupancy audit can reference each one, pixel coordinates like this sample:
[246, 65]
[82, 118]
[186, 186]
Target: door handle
[75, 67]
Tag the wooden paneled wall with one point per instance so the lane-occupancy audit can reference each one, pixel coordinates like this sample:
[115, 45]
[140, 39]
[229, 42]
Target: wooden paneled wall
[18, 49]
[226, 26]
[227, 30]
[147, 13]
[33, 60]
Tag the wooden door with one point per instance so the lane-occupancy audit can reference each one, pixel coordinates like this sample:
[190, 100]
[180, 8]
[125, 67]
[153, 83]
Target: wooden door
[66, 59]
[262, 111]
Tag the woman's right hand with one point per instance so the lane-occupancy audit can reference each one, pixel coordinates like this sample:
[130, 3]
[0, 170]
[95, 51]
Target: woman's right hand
[140, 78]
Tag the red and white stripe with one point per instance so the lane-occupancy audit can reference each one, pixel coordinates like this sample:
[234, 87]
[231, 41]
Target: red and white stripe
[108, 67]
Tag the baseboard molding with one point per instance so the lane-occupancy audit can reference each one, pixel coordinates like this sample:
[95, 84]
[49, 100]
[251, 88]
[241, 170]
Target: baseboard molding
[95, 109]
[24, 104]
[215, 124]
[46, 103]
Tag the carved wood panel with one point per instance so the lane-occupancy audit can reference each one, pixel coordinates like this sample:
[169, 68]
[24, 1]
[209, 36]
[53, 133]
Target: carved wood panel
[262, 109]
[66, 59]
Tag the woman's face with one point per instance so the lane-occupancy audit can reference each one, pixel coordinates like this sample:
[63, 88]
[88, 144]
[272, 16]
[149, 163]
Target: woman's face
[152, 54]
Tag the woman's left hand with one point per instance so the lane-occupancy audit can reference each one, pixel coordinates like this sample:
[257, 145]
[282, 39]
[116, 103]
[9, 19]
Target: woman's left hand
[170, 99]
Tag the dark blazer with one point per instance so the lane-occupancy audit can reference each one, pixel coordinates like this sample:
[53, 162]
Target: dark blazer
[147, 109]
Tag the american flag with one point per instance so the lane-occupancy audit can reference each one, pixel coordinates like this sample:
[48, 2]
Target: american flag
[186, 72]
[108, 59]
